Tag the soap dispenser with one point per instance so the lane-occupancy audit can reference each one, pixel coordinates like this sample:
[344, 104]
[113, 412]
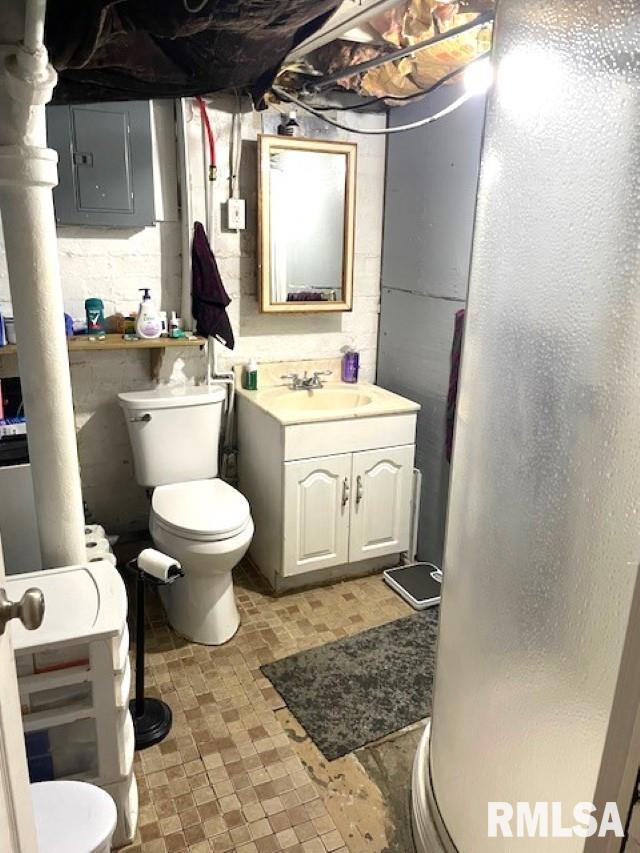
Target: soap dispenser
[251, 375]
[148, 322]
[350, 365]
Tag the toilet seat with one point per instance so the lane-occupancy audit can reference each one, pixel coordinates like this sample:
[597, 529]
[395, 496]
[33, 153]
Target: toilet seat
[202, 510]
[73, 817]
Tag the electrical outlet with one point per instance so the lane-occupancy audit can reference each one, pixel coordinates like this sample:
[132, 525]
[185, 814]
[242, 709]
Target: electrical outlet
[236, 214]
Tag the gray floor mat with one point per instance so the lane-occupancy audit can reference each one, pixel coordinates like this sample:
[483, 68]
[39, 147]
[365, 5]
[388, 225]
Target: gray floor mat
[356, 690]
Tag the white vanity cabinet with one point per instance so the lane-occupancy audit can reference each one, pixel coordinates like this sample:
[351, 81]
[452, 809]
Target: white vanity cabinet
[329, 498]
[380, 522]
[346, 508]
[316, 513]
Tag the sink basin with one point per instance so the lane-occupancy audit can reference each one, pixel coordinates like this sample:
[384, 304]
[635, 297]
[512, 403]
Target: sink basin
[335, 401]
[321, 400]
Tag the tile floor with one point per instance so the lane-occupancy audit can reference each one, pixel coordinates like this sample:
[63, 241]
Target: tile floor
[229, 777]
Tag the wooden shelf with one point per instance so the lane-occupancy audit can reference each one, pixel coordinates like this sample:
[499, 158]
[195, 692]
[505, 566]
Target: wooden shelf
[83, 343]
[156, 346]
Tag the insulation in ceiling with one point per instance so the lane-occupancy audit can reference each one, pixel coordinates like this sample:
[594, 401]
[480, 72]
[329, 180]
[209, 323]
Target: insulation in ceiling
[408, 23]
[128, 49]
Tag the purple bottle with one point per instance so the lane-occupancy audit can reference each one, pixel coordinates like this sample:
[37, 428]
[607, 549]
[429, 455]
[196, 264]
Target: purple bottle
[350, 366]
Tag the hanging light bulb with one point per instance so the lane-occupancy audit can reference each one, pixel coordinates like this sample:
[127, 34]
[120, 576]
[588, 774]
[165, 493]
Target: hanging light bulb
[478, 77]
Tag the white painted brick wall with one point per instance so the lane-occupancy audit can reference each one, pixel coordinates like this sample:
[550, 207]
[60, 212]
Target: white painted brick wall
[271, 337]
[114, 263]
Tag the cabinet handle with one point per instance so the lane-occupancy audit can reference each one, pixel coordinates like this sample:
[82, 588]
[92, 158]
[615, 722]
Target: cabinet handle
[359, 489]
[345, 491]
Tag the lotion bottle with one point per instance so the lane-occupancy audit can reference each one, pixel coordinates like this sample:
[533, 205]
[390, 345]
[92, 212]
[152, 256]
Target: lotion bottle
[350, 365]
[148, 322]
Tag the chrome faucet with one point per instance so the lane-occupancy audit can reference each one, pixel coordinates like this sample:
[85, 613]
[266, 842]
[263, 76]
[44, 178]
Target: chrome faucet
[306, 383]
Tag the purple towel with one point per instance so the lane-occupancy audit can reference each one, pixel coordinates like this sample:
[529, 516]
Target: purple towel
[209, 299]
[306, 296]
[452, 397]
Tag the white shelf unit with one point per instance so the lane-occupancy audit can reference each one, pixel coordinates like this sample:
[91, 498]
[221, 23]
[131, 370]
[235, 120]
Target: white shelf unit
[74, 678]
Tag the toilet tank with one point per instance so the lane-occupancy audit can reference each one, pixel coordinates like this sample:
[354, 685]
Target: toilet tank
[174, 433]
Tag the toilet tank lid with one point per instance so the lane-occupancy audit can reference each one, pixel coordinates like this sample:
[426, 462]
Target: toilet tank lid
[172, 396]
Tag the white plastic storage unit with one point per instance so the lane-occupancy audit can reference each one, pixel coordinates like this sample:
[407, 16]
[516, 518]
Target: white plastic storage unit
[74, 677]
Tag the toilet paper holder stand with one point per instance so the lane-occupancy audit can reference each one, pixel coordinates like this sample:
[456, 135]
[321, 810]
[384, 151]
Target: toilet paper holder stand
[152, 718]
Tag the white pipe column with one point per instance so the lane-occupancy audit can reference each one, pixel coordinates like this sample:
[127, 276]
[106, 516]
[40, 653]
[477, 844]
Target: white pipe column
[28, 172]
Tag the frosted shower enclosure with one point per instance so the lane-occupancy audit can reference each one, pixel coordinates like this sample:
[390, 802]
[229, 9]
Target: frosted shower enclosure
[537, 673]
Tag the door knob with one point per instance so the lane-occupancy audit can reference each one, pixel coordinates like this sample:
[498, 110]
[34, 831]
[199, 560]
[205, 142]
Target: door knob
[29, 610]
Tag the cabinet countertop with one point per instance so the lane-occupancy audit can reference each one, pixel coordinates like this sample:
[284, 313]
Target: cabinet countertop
[335, 401]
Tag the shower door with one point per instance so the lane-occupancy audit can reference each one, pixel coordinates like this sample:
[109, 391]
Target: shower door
[537, 662]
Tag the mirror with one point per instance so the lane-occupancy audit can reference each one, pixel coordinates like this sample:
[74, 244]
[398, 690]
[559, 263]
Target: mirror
[306, 212]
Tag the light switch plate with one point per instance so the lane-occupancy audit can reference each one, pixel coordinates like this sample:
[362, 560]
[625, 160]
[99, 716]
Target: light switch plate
[236, 214]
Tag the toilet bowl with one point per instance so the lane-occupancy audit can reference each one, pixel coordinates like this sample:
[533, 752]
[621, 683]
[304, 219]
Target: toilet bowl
[196, 518]
[73, 817]
[205, 525]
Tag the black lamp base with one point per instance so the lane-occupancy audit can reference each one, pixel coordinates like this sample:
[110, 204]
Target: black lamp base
[153, 725]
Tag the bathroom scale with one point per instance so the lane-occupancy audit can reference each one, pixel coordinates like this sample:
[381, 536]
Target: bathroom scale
[418, 583]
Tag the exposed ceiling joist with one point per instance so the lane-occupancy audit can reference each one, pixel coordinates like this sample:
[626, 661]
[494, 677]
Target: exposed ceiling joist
[390, 50]
[350, 15]
[362, 67]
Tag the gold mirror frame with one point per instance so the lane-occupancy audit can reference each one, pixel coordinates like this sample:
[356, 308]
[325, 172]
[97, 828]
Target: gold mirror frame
[266, 145]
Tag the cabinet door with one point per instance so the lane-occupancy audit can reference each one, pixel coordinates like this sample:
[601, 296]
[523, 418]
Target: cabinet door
[316, 513]
[381, 502]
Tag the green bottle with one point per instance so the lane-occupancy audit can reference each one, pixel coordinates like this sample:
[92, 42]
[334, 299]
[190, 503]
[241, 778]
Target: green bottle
[251, 375]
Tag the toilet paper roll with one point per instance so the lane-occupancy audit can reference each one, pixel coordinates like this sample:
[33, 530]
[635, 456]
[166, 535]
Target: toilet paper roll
[158, 565]
[94, 531]
[103, 556]
[97, 545]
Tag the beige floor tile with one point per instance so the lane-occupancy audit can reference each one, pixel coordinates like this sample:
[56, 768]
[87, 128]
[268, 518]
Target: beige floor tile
[237, 772]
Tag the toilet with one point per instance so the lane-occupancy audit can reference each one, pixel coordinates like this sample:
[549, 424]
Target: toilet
[72, 817]
[196, 518]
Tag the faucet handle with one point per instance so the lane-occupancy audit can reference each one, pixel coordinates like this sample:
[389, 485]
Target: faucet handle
[289, 376]
[322, 372]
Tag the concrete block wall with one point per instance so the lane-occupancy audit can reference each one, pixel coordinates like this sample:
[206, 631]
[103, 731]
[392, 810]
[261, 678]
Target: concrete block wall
[114, 263]
[279, 337]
